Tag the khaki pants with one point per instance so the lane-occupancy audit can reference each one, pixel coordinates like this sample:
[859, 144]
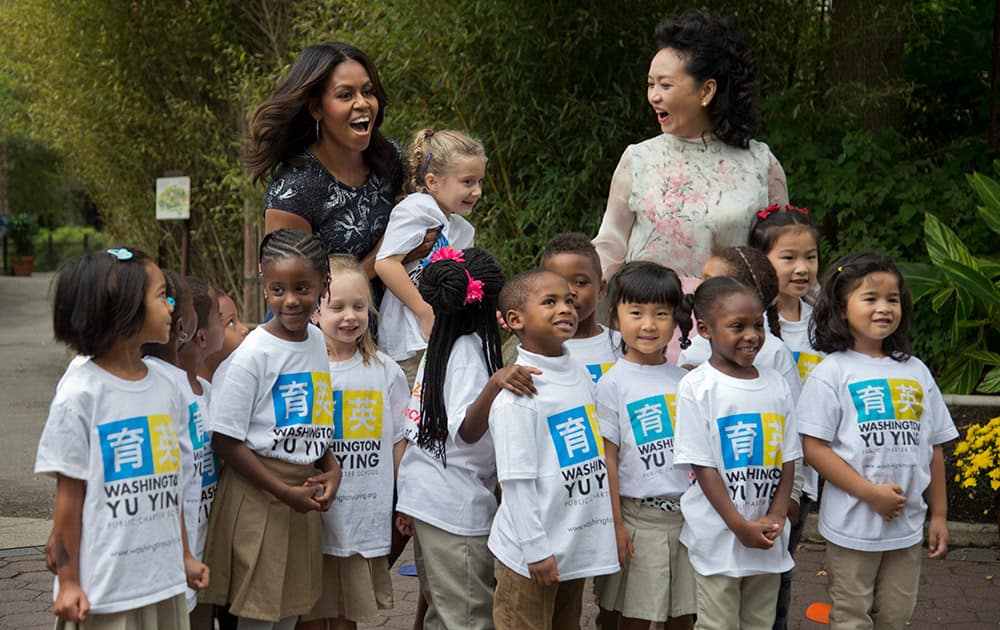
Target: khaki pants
[456, 578]
[872, 589]
[747, 603]
[522, 604]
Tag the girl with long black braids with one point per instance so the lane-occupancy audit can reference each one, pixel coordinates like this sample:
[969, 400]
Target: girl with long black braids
[447, 477]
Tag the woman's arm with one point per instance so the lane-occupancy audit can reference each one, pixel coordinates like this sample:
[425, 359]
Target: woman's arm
[275, 219]
[243, 460]
[611, 241]
[777, 184]
[67, 525]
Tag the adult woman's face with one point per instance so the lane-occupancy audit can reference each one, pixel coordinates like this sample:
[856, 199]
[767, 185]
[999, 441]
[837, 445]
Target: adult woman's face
[679, 101]
[347, 108]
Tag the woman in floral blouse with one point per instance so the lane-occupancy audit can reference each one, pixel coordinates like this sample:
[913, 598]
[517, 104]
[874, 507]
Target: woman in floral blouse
[693, 189]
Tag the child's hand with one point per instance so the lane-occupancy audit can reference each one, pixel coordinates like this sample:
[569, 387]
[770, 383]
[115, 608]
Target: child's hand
[300, 498]
[544, 572]
[887, 499]
[501, 322]
[72, 603]
[757, 534]
[516, 379]
[325, 487]
[196, 572]
[778, 523]
[625, 547]
[404, 524]
[937, 537]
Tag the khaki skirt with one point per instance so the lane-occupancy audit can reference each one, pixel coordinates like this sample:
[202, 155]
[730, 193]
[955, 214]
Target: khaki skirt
[170, 614]
[354, 588]
[265, 558]
[658, 581]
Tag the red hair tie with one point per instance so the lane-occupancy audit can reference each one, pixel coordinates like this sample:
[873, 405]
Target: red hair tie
[775, 208]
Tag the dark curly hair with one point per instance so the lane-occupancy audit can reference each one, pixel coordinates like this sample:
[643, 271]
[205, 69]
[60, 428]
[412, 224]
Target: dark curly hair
[713, 47]
[444, 285]
[281, 127]
[644, 282]
[829, 331]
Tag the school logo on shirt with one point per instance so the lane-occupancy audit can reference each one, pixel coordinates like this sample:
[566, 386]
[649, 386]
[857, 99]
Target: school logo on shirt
[751, 439]
[206, 462]
[652, 418]
[357, 415]
[887, 399]
[597, 370]
[806, 362]
[137, 447]
[303, 398]
[575, 435]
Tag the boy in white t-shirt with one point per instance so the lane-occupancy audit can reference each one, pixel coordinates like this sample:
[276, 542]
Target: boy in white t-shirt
[554, 526]
[572, 256]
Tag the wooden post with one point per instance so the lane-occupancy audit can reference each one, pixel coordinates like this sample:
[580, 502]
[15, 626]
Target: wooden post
[185, 246]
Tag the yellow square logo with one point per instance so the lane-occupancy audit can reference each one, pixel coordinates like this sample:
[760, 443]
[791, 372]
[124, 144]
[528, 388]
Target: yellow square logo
[163, 439]
[774, 438]
[362, 415]
[322, 409]
[907, 398]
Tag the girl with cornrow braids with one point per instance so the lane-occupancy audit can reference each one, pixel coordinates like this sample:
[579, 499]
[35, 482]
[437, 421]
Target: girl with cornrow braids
[272, 421]
[447, 478]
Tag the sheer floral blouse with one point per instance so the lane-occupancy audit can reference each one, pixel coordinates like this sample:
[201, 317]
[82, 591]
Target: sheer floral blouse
[673, 201]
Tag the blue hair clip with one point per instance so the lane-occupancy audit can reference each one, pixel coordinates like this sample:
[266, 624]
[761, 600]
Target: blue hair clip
[120, 253]
[171, 301]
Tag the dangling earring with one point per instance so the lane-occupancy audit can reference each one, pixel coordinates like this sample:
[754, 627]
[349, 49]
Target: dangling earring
[317, 129]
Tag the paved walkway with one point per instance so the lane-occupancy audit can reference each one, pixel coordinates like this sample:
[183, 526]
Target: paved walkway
[959, 592]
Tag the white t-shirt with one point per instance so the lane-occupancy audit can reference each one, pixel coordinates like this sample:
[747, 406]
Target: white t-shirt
[74, 363]
[745, 429]
[637, 407]
[370, 405]
[597, 353]
[883, 418]
[119, 437]
[199, 467]
[553, 441]
[276, 397]
[458, 498]
[796, 338]
[400, 334]
[773, 354]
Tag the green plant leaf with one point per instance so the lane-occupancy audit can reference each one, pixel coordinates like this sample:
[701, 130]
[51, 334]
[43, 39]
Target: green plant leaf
[942, 297]
[960, 375]
[989, 266]
[991, 382]
[922, 278]
[989, 191]
[990, 358]
[972, 281]
[943, 244]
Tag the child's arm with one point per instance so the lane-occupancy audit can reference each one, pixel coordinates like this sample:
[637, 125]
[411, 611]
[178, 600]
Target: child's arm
[329, 480]
[526, 516]
[778, 511]
[752, 534]
[397, 456]
[936, 497]
[885, 498]
[395, 278]
[71, 604]
[513, 378]
[237, 455]
[195, 570]
[625, 547]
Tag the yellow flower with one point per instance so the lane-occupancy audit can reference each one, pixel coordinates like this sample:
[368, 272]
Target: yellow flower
[969, 483]
[995, 484]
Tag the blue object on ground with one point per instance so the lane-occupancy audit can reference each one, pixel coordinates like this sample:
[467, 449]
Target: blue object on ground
[409, 570]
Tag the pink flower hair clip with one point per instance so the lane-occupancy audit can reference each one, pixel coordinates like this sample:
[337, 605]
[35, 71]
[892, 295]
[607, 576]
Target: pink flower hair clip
[474, 289]
[448, 253]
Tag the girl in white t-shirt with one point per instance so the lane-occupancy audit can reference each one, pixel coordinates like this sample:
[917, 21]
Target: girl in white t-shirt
[447, 477]
[372, 394]
[272, 423]
[235, 332]
[636, 405]
[446, 174]
[118, 543]
[735, 426]
[873, 422]
[790, 240]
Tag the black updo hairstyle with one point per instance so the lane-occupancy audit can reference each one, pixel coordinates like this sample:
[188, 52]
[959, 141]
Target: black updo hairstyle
[764, 232]
[711, 291]
[289, 243]
[644, 282]
[751, 267]
[829, 331]
[713, 47]
[444, 285]
[99, 298]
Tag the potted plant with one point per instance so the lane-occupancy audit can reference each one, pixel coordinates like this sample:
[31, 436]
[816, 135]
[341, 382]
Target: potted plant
[977, 460]
[21, 230]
